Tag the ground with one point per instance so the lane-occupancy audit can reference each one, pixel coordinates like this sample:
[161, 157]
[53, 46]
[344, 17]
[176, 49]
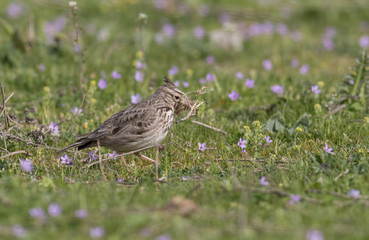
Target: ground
[286, 83]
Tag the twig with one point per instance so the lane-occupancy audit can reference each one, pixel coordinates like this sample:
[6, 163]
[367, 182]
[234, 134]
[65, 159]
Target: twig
[190, 113]
[4, 110]
[348, 155]
[210, 127]
[100, 162]
[30, 142]
[13, 153]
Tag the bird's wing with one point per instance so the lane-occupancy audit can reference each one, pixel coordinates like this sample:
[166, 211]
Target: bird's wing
[130, 121]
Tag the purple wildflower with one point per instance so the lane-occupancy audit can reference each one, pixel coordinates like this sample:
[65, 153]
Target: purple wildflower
[54, 128]
[160, 4]
[102, 84]
[176, 83]
[263, 181]
[97, 232]
[37, 213]
[282, 29]
[224, 18]
[354, 193]
[163, 237]
[233, 95]
[19, 231]
[42, 67]
[295, 63]
[242, 143]
[116, 75]
[173, 71]
[199, 32]
[185, 84]
[210, 77]
[267, 64]
[328, 44]
[250, 83]
[268, 140]
[328, 149]
[313, 234]
[169, 30]
[139, 76]
[114, 154]
[304, 69]
[91, 155]
[294, 199]
[26, 165]
[140, 65]
[239, 75]
[202, 80]
[210, 60]
[364, 41]
[202, 146]
[136, 98]
[53, 28]
[81, 213]
[14, 10]
[54, 210]
[351, 82]
[278, 89]
[66, 160]
[76, 111]
[315, 89]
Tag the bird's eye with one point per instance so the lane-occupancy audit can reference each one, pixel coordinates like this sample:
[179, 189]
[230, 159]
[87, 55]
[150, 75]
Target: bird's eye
[176, 97]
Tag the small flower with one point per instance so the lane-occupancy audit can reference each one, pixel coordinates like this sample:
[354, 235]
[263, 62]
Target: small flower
[278, 89]
[37, 213]
[102, 84]
[328, 149]
[294, 199]
[26, 165]
[328, 44]
[54, 128]
[317, 108]
[185, 84]
[81, 213]
[268, 140]
[298, 129]
[91, 155]
[210, 77]
[202, 146]
[210, 60]
[366, 119]
[97, 232]
[169, 30]
[239, 75]
[315, 89]
[304, 69]
[242, 143]
[76, 111]
[42, 67]
[313, 234]
[263, 181]
[66, 160]
[250, 83]
[202, 80]
[295, 63]
[364, 41]
[199, 32]
[14, 10]
[173, 71]
[136, 98]
[354, 193]
[176, 83]
[140, 65]
[163, 237]
[54, 210]
[142, 17]
[72, 4]
[233, 95]
[19, 231]
[139, 76]
[114, 154]
[267, 64]
[116, 75]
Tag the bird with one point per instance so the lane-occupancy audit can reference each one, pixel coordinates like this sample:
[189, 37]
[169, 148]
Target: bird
[139, 126]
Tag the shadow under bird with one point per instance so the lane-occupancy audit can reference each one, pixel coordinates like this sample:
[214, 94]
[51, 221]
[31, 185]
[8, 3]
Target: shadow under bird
[139, 126]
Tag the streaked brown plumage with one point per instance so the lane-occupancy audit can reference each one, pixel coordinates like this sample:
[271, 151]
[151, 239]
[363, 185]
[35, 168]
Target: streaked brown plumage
[139, 126]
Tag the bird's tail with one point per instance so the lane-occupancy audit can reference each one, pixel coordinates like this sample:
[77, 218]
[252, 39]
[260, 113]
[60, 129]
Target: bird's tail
[76, 144]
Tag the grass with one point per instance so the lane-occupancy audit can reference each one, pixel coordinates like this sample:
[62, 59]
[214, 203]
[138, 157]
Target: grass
[214, 194]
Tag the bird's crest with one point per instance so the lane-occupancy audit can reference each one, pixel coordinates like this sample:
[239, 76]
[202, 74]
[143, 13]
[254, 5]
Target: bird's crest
[169, 83]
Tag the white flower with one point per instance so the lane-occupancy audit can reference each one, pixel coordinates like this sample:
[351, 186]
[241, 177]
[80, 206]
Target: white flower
[72, 4]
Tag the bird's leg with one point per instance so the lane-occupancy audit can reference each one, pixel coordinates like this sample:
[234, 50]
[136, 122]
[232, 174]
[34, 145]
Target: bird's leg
[125, 164]
[157, 164]
[150, 160]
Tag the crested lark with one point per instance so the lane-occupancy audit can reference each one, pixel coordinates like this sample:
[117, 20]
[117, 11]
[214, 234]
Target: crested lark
[139, 126]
